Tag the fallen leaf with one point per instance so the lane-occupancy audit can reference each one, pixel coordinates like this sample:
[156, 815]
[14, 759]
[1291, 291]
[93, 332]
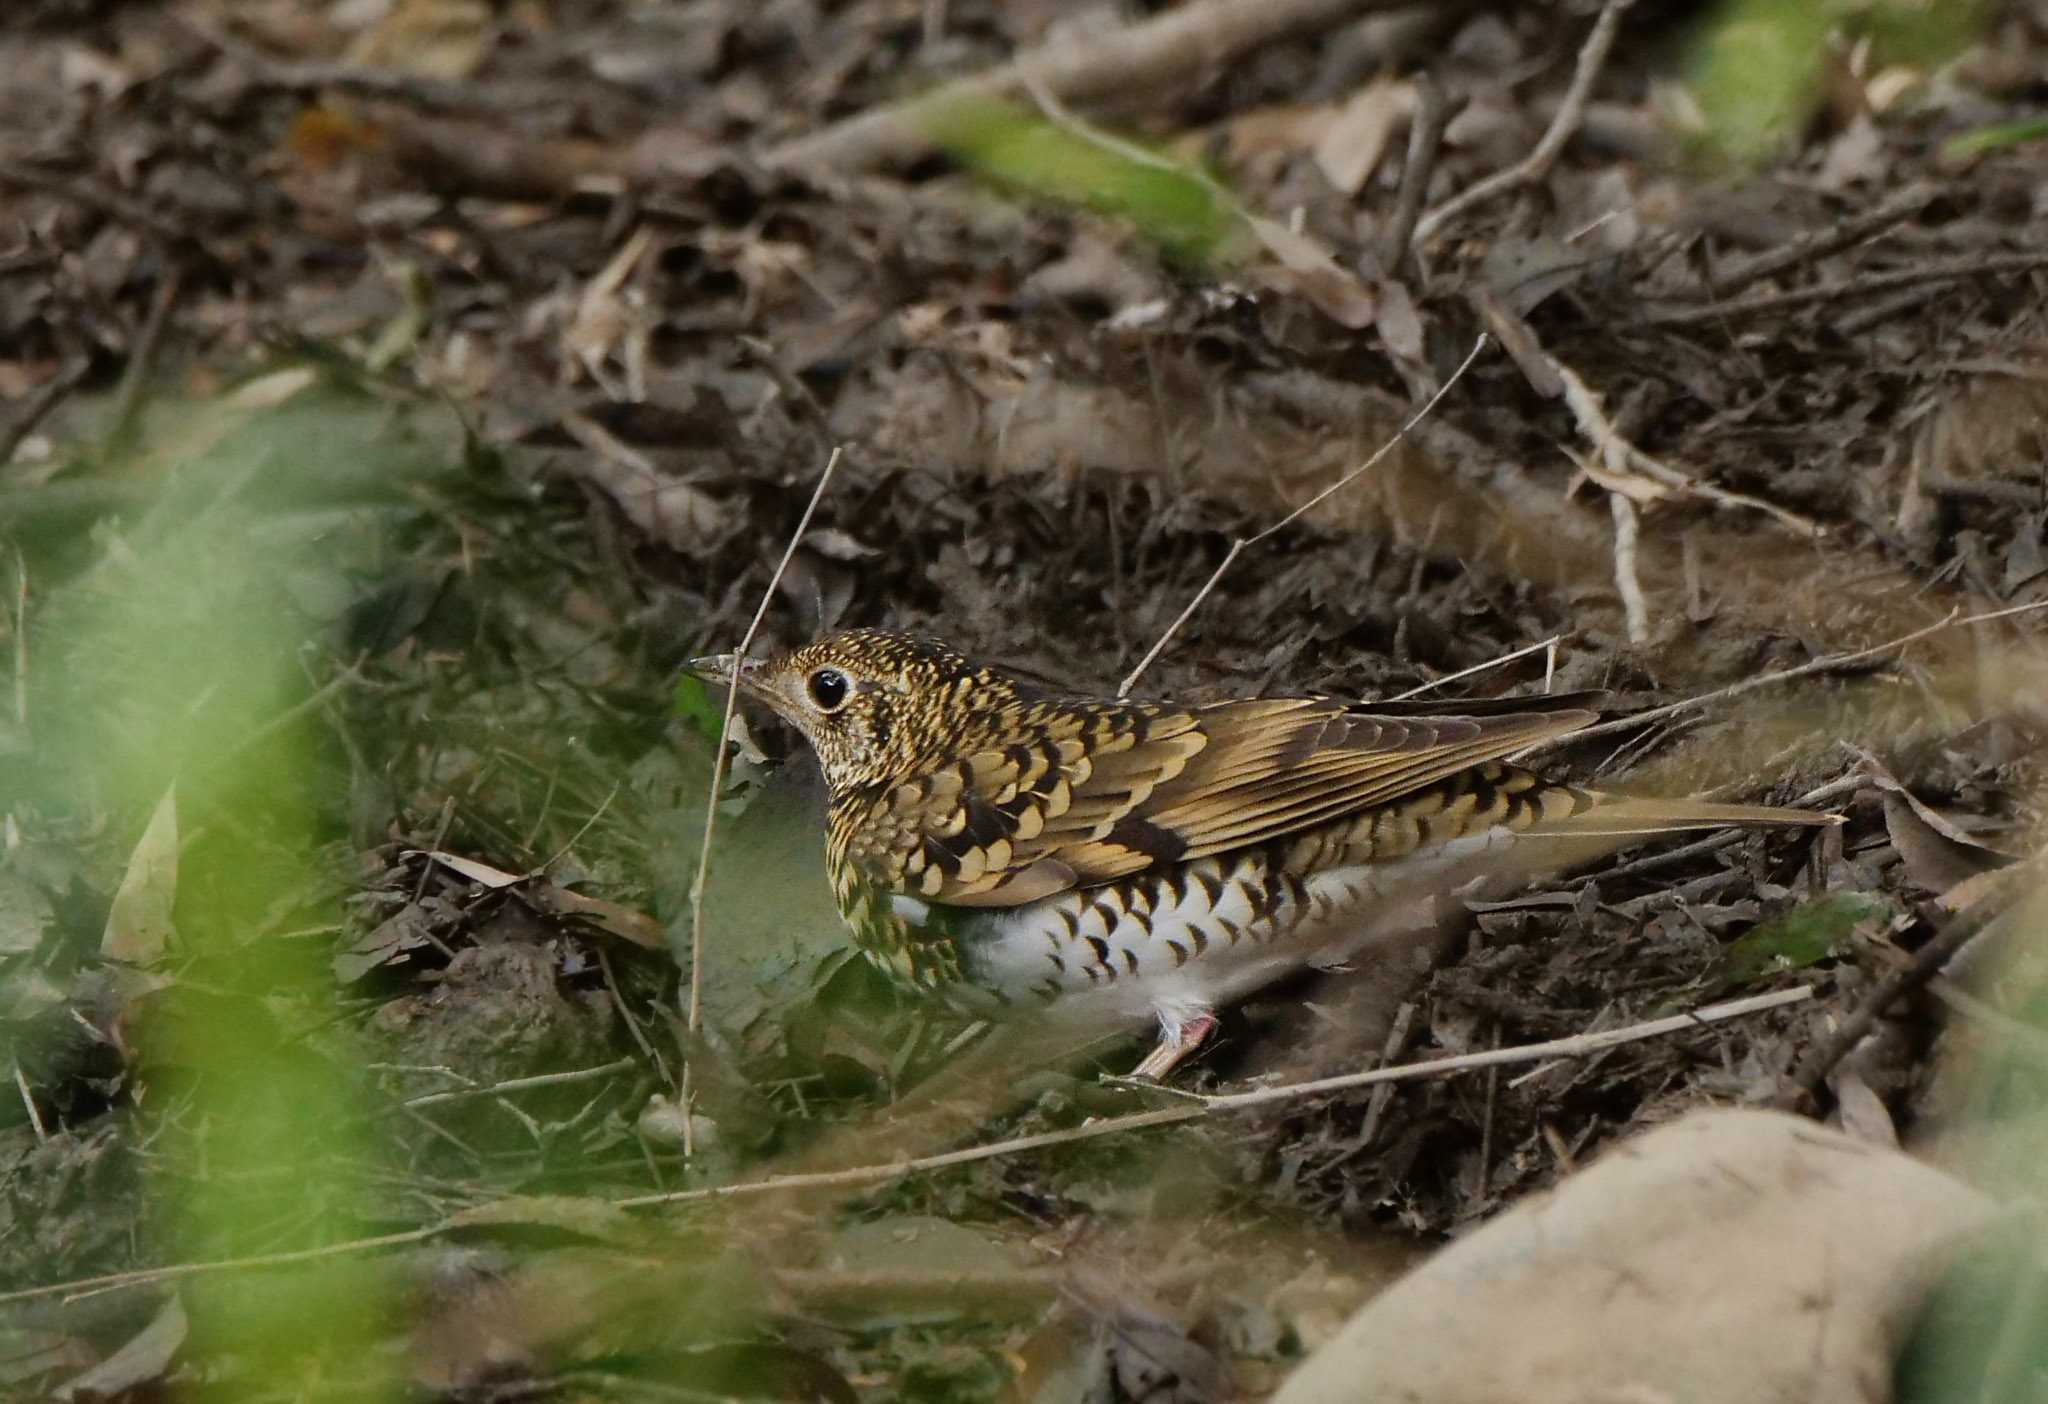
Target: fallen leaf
[143, 1359]
[1306, 268]
[1353, 143]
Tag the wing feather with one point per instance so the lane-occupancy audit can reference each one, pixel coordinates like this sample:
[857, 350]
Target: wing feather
[1100, 790]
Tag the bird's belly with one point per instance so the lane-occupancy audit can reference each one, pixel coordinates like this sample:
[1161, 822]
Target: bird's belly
[1204, 934]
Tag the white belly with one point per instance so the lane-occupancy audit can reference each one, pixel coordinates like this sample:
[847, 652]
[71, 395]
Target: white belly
[1173, 950]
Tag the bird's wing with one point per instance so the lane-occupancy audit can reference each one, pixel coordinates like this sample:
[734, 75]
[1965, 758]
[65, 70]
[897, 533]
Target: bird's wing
[1091, 792]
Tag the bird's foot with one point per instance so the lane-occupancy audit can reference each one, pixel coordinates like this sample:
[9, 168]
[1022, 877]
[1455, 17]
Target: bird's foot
[1174, 1046]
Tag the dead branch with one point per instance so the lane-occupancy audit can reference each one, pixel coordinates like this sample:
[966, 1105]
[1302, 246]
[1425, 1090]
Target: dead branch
[1848, 233]
[1633, 607]
[1536, 165]
[1433, 113]
[1179, 43]
[1852, 287]
[1643, 477]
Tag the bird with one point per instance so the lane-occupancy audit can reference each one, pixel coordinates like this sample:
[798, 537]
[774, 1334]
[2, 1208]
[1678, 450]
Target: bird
[1144, 860]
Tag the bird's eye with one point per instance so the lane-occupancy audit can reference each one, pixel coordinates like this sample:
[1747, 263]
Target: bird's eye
[829, 688]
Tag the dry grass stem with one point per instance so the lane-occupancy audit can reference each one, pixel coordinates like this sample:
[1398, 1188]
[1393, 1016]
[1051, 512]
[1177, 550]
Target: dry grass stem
[732, 697]
[1542, 645]
[1643, 477]
[1238, 546]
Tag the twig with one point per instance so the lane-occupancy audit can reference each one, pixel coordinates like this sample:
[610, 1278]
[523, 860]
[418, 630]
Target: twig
[1855, 287]
[28, 1099]
[39, 406]
[732, 698]
[1181, 42]
[1578, 1046]
[611, 985]
[1901, 206]
[1832, 663]
[142, 360]
[1241, 543]
[1433, 113]
[1533, 167]
[1506, 658]
[1627, 469]
[173, 1272]
[520, 1084]
[1383, 1095]
[1633, 607]
[1485, 1122]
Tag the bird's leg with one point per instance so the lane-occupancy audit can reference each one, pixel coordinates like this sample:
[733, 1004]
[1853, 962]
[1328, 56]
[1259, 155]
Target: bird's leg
[1176, 1041]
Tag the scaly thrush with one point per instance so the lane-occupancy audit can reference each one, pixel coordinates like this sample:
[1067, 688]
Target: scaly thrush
[1150, 860]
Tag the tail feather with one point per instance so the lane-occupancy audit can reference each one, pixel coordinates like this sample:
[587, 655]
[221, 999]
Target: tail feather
[1616, 816]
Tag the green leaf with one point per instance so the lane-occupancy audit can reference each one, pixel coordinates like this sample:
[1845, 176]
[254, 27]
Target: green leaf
[1801, 937]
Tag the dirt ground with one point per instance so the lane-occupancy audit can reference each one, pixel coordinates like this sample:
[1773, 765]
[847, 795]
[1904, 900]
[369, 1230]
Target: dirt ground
[396, 394]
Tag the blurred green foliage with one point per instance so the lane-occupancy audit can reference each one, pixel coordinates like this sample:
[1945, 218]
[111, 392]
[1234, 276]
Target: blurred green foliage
[1804, 936]
[1757, 66]
[168, 671]
[1185, 212]
[1994, 138]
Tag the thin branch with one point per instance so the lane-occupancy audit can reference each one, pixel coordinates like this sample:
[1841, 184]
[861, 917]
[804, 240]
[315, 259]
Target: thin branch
[1578, 1046]
[1643, 476]
[1834, 662]
[1900, 207]
[1433, 113]
[1633, 607]
[1853, 287]
[1201, 1105]
[39, 406]
[1239, 545]
[732, 698]
[28, 1099]
[1570, 113]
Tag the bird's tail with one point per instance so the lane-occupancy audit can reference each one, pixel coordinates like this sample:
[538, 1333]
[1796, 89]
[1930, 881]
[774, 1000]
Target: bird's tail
[1618, 816]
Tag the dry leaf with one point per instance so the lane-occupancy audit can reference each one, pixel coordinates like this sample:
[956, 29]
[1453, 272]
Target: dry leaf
[1353, 143]
[675, 514]
[1306, 268]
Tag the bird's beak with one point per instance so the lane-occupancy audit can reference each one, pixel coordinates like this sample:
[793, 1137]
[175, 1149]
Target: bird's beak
[725, 669]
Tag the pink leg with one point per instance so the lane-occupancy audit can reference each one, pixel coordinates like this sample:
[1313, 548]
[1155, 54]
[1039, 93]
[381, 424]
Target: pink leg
[1175, 1045]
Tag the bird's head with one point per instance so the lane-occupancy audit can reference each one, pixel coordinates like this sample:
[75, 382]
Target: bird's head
[878, 707]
